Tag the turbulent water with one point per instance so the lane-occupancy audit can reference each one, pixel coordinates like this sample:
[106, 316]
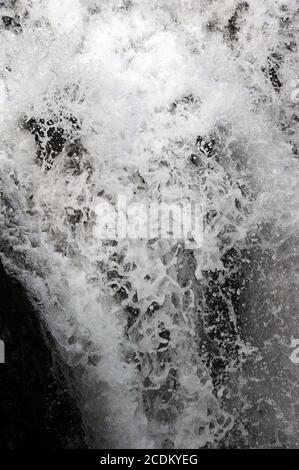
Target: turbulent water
[161, 100]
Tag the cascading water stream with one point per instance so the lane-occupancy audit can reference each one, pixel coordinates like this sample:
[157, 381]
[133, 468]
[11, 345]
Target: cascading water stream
[157, 102]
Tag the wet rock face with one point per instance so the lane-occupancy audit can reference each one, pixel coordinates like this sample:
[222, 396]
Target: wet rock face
[36, 408]
[52, 138]
[232, 28]
[271, 72]
[11, 24]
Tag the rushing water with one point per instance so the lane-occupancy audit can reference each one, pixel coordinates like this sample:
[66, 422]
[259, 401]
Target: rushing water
[159, 100]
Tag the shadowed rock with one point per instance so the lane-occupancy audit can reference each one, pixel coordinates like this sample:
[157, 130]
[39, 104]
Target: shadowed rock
[232, 28]
[53, 136]
[37, 409]
[272, 70]
[11, 24]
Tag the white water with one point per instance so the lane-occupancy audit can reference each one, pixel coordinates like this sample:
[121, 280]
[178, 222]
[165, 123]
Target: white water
[145, 79]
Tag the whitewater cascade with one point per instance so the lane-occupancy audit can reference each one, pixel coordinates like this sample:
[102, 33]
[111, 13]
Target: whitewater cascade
[161, 100]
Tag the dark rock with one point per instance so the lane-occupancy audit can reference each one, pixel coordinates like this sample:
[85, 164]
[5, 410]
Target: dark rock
[195, 160]
[232, 28]
[132, 314]
[272, 70]
[206, 146]
[221, 302]
[54, 135]
[295, 150]
[37, 409]
[11, 23]
[291, 46]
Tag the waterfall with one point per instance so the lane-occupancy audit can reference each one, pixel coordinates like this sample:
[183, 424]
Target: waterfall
[170, 346]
